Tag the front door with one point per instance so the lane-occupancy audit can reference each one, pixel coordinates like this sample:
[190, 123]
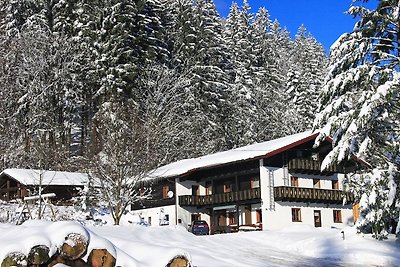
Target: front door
[221, 218]
[247, 215]
[317, 218]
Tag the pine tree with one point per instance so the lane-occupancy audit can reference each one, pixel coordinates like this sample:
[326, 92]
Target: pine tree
[360, 108]
[305, 78]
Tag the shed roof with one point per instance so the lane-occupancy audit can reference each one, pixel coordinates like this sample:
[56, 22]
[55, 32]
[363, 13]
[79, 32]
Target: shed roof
[32, 177]
[254, 151]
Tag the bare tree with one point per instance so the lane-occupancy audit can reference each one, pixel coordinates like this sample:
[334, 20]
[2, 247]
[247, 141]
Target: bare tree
[121, 159]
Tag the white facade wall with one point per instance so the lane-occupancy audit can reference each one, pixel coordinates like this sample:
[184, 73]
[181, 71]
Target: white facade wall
[157, 216]
[184, 187]
[279, 215]
[282, 216]
[185, 215]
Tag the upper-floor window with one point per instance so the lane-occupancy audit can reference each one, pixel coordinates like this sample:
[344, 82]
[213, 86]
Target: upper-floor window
[316, 183]
[228, 187]
[335, 184]
[294, 181]
[255, 182]
[165, 190]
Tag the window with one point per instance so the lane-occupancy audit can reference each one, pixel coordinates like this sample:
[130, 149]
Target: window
[165, 190]
[335, 184]
[316, 183]
[232, 218]
[255, 183]
[228, 187]
[258, 216]
[296, 215]
[195, 190]
[294, 181]
[337, 216]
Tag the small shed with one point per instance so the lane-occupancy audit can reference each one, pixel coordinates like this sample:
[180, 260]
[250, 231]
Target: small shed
[20, 183]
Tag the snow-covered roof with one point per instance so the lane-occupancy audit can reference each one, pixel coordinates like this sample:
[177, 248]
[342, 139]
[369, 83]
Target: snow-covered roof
[32, 177]
[258, 150]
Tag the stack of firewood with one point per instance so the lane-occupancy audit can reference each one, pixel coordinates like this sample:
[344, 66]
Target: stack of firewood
[72, 252]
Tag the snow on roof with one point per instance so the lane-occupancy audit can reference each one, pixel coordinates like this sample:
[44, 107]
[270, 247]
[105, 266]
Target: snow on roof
[258, 150]
[32, 177]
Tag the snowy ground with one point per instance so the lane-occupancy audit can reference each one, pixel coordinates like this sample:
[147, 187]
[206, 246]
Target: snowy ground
[142, 246]
[296, 246]
[136, 245]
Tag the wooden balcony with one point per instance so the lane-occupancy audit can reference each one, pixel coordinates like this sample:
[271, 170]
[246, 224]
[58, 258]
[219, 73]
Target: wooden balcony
[311, 195]
[311, 166]
[230, 197]
[152, 203]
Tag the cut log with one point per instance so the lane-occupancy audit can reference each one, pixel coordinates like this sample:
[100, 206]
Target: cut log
[74, 246]
[56, 260]
[179, 261]
[60, 260]
[15, 259]
[101, 258]
[38, 255]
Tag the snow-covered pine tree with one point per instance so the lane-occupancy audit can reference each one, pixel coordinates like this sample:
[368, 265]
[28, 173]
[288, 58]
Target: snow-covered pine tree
[237, 33]
[208, 77]
[268, 81]
[359, 108]
[305, 78]
[131, 38]
[15, 15]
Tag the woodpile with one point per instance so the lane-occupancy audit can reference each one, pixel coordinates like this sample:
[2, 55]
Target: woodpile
[75, 251]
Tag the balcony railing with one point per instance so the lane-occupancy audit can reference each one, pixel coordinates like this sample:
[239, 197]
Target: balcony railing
[310, 166]
[152, 203]
[311, 195]
[230, 197]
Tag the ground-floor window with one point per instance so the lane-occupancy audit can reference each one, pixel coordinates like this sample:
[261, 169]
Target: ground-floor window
[337, 216]
[232, 218]
[296, 215]
[258, 216]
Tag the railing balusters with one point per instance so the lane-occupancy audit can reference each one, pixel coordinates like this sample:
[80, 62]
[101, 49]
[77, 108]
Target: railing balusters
[189, 200]
[302, 194]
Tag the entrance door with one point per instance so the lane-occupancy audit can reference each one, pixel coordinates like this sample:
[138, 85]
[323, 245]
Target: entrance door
[221, 218]
[317, 218]
[247, 215]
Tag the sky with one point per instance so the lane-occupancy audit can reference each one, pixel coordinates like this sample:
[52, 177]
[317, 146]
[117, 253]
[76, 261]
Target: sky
[324, 19]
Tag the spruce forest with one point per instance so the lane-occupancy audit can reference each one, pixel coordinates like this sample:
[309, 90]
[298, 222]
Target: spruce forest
[149, 82]
[185, 81]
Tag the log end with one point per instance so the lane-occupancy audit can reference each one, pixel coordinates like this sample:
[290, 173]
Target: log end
[74, 246]
[179, 261]
[15, 259]
[101, 258]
